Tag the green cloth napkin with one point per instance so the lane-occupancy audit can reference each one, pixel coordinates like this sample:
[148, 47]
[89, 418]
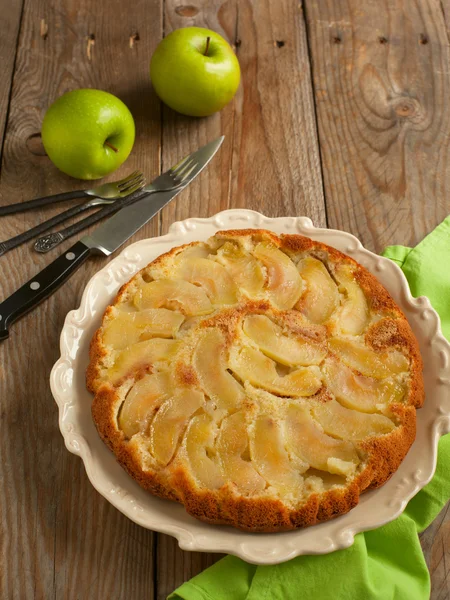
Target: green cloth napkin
[386, 563]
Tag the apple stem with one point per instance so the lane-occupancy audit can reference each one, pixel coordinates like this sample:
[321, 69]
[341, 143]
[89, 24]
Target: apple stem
[208, 39]
[111, 146]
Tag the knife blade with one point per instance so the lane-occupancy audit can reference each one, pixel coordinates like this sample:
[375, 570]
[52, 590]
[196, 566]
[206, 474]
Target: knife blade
[107, 238]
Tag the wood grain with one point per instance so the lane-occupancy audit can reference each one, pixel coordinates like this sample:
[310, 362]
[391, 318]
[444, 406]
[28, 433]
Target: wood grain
[68, 541]
[435, 543]
[381, 83]
[381, 77]
[10, 19]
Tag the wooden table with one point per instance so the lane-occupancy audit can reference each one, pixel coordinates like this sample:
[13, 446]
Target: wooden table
[342, 116]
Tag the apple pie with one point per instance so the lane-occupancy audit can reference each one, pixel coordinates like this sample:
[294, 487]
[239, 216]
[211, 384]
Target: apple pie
[263, 382]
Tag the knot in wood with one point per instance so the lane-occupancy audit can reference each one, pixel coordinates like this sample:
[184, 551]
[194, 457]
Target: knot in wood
[187, 10]
[35, 145]
[406, 108]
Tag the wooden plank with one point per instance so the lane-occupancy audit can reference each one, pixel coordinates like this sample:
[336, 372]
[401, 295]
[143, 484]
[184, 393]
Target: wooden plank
[269, 161]
[10, 19]
[276, 163]
[68, 542]
[181, 135]
[435, 543]
[381, 80]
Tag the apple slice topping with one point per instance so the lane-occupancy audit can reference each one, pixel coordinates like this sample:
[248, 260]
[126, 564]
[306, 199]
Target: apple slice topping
[284, 281]
[127, 328]
[290, 351]
[211, 276]
[244, 269]
[344, 423]
[173, 294]
[270, 457]
[372, 364]
[319, 450]
[359, 392]
[196, 251]
[353, 316]
[231, 445]
[141, 356]
[253, 366]
[210, 365]
[144, 397]
[199, 442]
[170, 421]
[321, 297]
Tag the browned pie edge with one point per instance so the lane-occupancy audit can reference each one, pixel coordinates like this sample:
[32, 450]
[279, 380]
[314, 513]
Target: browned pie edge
[384, 453]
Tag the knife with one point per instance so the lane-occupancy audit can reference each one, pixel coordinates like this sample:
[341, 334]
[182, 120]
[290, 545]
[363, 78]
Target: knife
[105, 240]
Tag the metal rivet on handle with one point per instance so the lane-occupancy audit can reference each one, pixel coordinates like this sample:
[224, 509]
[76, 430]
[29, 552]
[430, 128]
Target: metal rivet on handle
[70, 256]
[35, 285]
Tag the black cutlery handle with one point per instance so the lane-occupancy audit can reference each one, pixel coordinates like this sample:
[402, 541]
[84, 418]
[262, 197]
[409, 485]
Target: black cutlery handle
[10, 209]
[8, 245]
[41, 286]
[50, 241]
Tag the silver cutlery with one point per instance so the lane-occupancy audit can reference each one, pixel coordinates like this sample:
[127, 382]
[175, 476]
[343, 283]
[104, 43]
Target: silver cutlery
[122, 191]
[106, 239]
[176, 176]
[114, 189]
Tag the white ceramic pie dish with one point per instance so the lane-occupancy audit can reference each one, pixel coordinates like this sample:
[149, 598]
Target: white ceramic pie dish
[375, 508]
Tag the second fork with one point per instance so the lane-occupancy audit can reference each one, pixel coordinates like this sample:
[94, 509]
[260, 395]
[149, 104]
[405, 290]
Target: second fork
[128, 190]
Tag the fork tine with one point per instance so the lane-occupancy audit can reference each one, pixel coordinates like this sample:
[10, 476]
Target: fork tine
[180, 171]
[136, 185]
[125, 184]
[182, 162]
[127, 180]
[188, 172]
[128, 177]
[132, 189]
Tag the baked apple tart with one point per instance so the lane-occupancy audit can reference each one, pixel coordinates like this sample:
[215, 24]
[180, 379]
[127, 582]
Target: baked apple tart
[263, 382]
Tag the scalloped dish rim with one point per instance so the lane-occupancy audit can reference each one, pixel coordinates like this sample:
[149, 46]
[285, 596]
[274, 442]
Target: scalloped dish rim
[375, 508]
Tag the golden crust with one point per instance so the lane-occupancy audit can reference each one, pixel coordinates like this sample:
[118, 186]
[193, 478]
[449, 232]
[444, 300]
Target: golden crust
[381, 454]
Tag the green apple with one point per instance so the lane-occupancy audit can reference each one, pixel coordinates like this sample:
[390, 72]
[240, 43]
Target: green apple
[88, 133]
[195, 71]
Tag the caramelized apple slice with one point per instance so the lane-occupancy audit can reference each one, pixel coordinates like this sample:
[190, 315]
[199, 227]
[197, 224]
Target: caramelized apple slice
[270, 457]
[353, 316]
[359, 392]
[195, 251]
[321, 297]
[349, 424]
[284, 282]
[366, 361]
[128, 328]
[211, 276]
[286, 350]
[244, 269]
[310, 444]
[169, 422]
[232, 443]
[199, 439]
[174, 295]
[251, 365]
[210, 366]
[142, 355]
[143, 398]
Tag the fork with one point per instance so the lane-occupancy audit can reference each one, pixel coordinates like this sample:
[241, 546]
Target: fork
[133, 183]
[114, 189]
[170, 180]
